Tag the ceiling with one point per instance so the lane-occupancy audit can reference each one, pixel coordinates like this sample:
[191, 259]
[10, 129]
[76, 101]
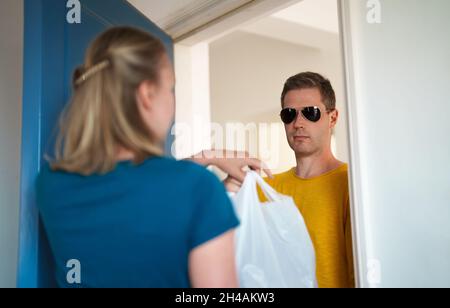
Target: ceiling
[318, 14]
[311, 23]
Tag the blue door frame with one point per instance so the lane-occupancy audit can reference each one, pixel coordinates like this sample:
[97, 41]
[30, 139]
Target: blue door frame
[52, 49]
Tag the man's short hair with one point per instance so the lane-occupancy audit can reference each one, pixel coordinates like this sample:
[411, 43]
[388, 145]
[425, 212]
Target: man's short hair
[309, 80]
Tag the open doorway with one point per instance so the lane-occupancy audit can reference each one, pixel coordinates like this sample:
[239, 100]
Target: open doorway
[230, 87]
[230, 75]
[237, 77]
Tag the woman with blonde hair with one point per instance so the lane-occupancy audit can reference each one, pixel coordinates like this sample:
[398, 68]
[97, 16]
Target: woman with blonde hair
[110, 200]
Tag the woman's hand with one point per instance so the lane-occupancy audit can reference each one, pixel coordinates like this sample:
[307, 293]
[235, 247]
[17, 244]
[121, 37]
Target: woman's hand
[233, 163]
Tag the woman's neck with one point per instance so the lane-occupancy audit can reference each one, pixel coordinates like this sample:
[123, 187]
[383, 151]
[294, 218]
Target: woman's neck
[124, 154]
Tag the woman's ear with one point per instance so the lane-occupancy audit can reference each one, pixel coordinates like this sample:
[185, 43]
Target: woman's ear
[145, 95]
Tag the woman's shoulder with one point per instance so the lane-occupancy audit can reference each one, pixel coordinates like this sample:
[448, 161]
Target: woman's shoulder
[185, 177]
[45, 173]
[156, 170]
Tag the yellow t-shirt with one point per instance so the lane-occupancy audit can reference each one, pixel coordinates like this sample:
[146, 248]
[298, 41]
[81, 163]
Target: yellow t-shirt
[324, 203]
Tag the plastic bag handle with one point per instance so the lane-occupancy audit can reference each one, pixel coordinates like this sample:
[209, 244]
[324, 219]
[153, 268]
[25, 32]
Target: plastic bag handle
[268, 191]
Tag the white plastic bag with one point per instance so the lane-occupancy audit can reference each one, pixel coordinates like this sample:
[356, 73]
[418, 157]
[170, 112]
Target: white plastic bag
[273, 246]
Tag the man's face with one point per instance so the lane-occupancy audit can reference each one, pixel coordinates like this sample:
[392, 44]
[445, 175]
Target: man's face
[307, 138]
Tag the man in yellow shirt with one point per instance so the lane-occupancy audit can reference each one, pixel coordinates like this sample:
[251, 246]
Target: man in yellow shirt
[319, 182]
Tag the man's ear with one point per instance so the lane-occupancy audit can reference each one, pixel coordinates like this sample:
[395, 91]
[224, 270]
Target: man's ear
[334, 116]
[145, 95]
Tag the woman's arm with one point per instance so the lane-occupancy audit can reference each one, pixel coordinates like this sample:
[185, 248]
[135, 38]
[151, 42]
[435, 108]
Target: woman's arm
[212, 265]
[232, 163]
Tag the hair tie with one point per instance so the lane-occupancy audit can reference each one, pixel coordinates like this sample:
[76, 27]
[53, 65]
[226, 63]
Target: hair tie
[92, 71]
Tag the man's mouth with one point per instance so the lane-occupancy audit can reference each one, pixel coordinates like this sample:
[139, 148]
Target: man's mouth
[301, 138]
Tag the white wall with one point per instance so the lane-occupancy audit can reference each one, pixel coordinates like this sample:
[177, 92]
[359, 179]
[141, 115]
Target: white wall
[248, 72]
[398, 80]
[193, 115]
[11, 58]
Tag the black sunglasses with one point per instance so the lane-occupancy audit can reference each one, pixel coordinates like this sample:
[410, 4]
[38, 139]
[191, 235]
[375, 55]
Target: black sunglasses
[289, 115]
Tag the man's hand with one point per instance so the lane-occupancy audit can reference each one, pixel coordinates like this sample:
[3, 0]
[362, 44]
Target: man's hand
[232, 185]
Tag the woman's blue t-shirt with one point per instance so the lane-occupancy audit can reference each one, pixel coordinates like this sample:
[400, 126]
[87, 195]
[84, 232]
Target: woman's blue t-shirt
[135, 226]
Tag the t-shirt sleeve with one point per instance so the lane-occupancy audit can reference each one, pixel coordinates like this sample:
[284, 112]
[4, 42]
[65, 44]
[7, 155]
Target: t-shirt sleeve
[213, 213]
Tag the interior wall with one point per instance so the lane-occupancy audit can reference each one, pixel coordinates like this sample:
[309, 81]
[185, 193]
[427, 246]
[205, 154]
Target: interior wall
[11, 61]
[192, 100]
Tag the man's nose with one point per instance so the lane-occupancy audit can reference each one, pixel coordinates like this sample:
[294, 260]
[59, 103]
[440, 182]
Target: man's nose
[300, 121]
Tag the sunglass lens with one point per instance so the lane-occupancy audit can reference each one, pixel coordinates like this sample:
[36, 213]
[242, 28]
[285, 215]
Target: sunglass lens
[288, 115]
[312, 114]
